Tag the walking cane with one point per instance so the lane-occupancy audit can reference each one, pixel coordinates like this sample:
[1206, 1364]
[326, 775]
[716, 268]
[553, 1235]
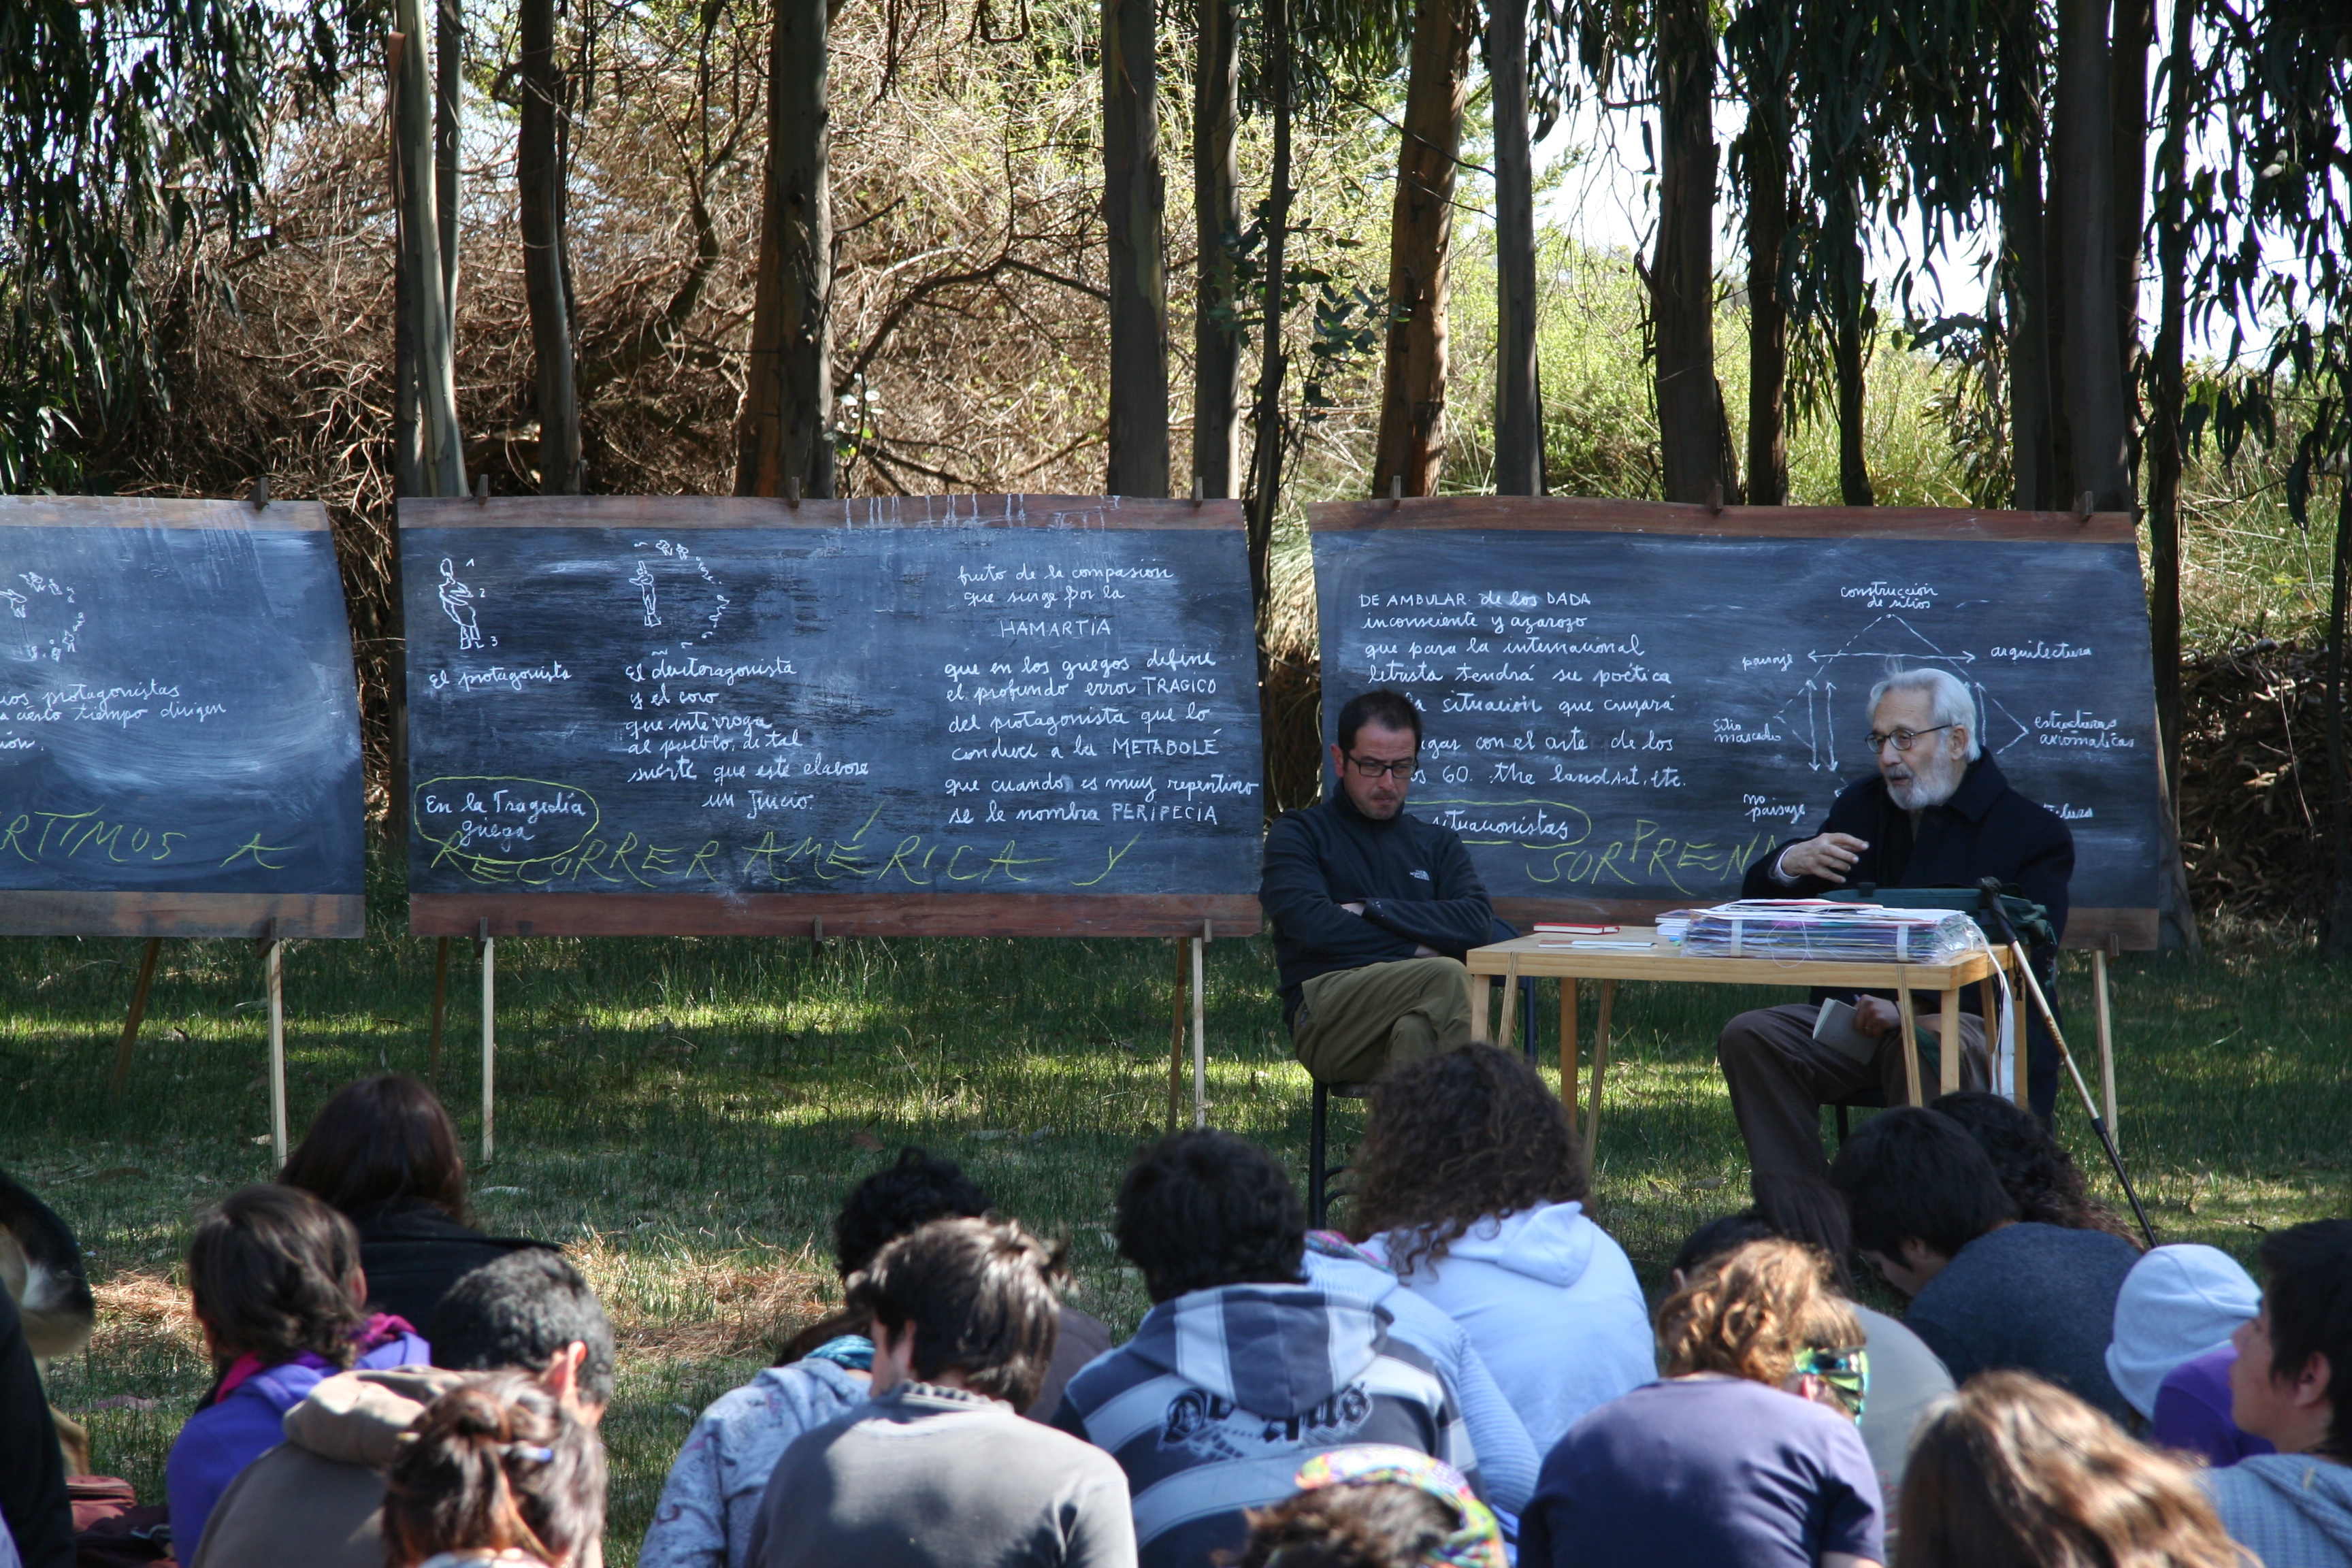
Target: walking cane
[1990, 888]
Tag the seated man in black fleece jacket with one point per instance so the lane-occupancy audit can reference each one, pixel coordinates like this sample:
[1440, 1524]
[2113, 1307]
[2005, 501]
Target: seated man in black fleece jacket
[1937, 814]
[1372, 910]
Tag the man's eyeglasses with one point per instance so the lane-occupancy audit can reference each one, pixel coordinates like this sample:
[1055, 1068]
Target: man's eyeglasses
[1846, 1375]
[1374, 768]
[1900, 738]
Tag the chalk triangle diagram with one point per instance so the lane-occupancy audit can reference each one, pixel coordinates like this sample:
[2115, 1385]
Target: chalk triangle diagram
[1883, 639]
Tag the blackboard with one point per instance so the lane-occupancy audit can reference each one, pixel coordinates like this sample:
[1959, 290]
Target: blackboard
[1628, 703]
[179, 721]
[982, 715]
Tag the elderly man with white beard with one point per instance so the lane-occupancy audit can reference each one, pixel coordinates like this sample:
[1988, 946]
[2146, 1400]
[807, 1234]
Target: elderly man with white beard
[1937, 813]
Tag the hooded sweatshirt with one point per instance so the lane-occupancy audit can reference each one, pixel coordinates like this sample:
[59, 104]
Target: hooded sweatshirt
[704, 1516]
[1507, 1460]
[2178, 1302]
[2290, 1510]
[1553, 1307]
[316, 1499]
[1223, 1393]
[246, 1418]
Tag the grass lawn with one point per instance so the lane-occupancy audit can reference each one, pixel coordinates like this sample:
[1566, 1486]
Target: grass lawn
[685, 1114]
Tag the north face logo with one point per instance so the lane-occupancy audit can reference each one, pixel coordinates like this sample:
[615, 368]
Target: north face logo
[1418, 876]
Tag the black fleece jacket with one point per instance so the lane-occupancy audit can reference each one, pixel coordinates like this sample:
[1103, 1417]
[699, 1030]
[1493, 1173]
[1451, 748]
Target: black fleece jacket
[1986, 829]
[1413, 879]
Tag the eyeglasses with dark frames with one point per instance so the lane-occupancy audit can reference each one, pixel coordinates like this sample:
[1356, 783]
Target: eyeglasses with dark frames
[1374, 768]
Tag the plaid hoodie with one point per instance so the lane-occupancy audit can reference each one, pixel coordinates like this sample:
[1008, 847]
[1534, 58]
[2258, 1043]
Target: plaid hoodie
[1223, 1393]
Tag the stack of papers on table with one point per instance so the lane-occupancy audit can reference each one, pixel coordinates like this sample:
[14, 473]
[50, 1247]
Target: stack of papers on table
[1674, 924]
[1834, 931]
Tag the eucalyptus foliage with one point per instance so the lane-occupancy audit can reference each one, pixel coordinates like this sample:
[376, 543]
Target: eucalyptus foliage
[125, 127]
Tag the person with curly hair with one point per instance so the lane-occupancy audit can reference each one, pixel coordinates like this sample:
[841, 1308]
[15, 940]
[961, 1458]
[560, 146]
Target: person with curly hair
[2014, 1472]
[498, 1470]
[2033, 1167]
[1744, 1455]
[1472, 1189]
[1241, 1371]
[274, 1275]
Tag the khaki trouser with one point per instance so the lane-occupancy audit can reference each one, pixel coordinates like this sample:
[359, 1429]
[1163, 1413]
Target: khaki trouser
[1353, 1024]
[1781, 1076]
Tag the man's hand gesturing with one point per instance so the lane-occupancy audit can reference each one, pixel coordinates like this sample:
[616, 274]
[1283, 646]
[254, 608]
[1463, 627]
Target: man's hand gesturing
[1829, 857]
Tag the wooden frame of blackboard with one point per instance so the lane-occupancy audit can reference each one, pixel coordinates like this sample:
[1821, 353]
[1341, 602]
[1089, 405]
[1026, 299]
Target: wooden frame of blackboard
[826, 914]
[44, 912]
[2102, 931]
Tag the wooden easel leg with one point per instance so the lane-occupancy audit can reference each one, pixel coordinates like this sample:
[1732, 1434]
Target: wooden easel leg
[1200, 1037]
[1600, 1067]
[1947, 1044]
[1910, 1038]
[440, 1007]
[489, 1039]
[138, 1012]
[1571, 1055]
[2106, 1038]
[1178, 1007]
[276, 969]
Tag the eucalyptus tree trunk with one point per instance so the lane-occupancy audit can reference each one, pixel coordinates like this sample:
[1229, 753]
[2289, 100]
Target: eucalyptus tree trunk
[1412, 440]
[1849, 299]
[1264, 500]
[2024, 250]
[449, 77]
[2091, 358]
[441, 464]
[1132, 199]
[1682, 274]
[784, 437]
[1765, 160]
[2134, 24]
[1217, 208]
[2164, 449]
[1518, 413]
[539, 178]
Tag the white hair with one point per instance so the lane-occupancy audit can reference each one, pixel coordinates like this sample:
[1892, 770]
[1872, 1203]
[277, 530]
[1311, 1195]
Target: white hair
[1949, 700]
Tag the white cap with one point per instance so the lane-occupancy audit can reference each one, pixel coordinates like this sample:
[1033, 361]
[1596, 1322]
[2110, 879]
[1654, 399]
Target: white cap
[2177, 1303]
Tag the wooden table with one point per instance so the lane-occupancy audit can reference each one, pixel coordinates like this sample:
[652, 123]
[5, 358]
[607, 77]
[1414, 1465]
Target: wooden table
[1527, 959]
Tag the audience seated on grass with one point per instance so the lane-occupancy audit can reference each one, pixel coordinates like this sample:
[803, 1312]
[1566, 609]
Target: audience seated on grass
[1988, 1291]
[1508, 1459]
[316, 1499]
[2034, 1168]
[35, 1513]
[940, 1469]
[1376, 1508]
[1905, 1378]
[1241, 1371]
[385, 1153]
[275, 1280]
[2170, 1356]
[497, 1470]
[2292, 1383]
[704, 1518]
[2018, 1473]
[1473, 1188]
[1744, 1454]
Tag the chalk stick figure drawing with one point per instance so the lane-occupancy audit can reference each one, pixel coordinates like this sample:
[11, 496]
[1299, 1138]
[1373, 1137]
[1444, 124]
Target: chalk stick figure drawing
[16, 601]
[458, 604]
[645, 582]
